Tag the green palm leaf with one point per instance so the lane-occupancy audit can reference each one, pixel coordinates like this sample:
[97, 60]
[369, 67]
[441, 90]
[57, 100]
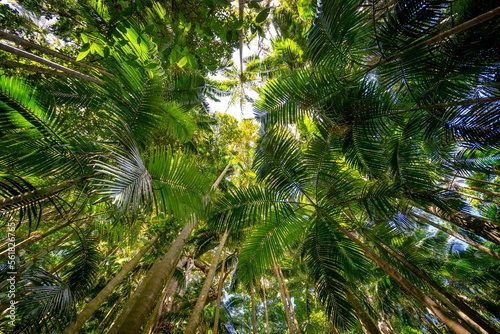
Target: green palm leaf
[46, 302]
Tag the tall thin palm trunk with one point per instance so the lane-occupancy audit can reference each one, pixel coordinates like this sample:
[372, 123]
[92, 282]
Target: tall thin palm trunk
[254, 309]
[34, 238]
[27, 44]
[39, 256]
[141, 303]
[43, 61]
[266, 311]
[220, 286]
[94, 304]
[194, 320]
[482, 227]
[471, 317]
[403, 282]
[286, 305]
[136, 310]
[458, 236]
[367, 323]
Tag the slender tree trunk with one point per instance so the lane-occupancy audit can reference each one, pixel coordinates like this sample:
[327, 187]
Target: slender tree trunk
[31, 68]
[94, 304]
[43, 61]
[369, 326]
[473, 197]
[135, 312]
[477, 225]
[102, 325]
[34, 238]
[481, 181]
[266, 311]
[140, 304]
[480, 190]
[458, 236]
[152, 321]
[290, 304]
[41, 193]
[39, 256]
[471, 317]
[403, 282]
[194, 320]
[286, 306]
[254, 309]
[27, 44]
[220, 286]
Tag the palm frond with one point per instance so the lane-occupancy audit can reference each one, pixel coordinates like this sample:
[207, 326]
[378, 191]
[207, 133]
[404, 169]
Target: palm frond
[267, 242]
[241, 208]
[178, 184]
[33, 140]
[319, 253]
[129, 184]
[46, 302]
[85, 257]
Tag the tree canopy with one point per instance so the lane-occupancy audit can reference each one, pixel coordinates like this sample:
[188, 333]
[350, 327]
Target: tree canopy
[362, 198]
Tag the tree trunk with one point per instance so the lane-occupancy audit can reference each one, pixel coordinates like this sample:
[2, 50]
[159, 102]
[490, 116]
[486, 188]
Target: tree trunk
[480, 181]
[474, 197]
[266, 311]
[254, 309]
[480, 190]
[39, 256]
[461, 27]
[34, 238]
[194, 320]
[43, 61]
[403, 282]
[94, 304]
[31, 68]
[102, 326]
[135, 312]
[477, 225]
[458, 236]
[369, 326]
[471, 317]
[220, 286]
[289, 299]
[286, 306]
[27, 44]
[41, 193]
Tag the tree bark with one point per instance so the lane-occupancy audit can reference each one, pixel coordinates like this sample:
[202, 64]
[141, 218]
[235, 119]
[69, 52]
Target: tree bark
[477, 225]
[471, 317]
[41, 193]
[254, 309]
[140, 304]
[43, 61]
[220, 286]
[286, 306]
[27, 44]
[194, 320]
[94, 304]
[403, 282]
[135, 312]
[39, 256]
[369, 326]
[480, 190]
[461, 27]
[458, 236]
[31, 68]
[266, 311]
[34, 238]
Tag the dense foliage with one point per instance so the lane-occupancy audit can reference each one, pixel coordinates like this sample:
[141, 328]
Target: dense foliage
[363, 197]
